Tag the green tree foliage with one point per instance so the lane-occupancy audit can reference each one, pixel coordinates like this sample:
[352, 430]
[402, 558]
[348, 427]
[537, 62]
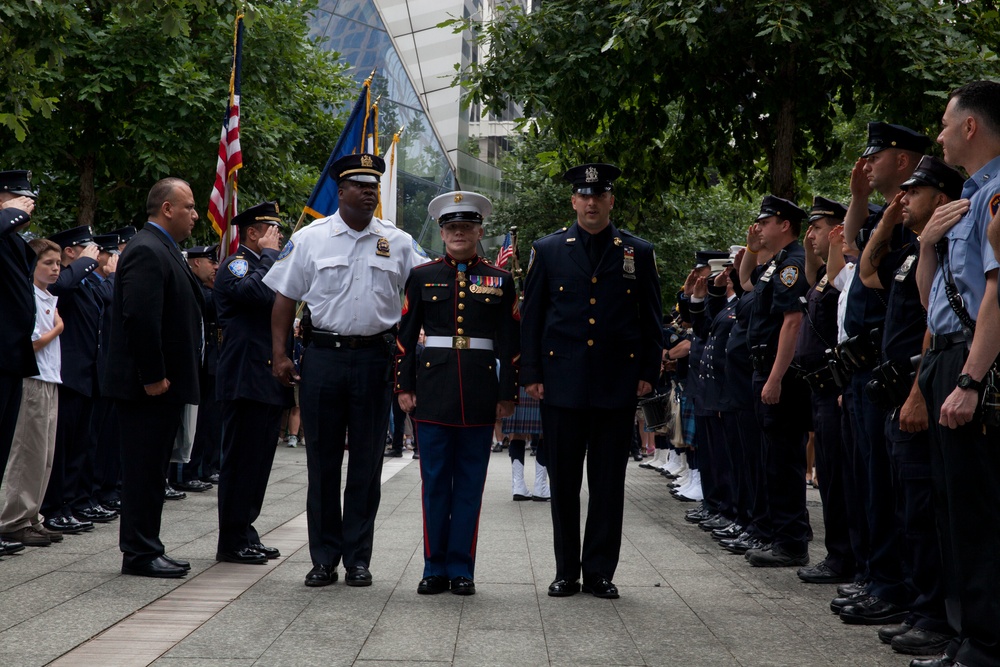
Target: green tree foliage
[115, 95]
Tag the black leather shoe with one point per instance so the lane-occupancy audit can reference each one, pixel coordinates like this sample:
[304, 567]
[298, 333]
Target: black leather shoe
[158, 568]
[61, 524]
[393, 453]
[416, 455]
[851, 588]
[195, 485]
[463, 586]
[886, 633]
[838, 603]
[697, 516]
[177, 562]
[718, 523]
[321, 575]
[244, 556]
[740, 544]
[637, 457]
[433, 585]
[358, 575]
[8, 547]
[170, 493]
[776, 557]
[115, 505]
[212, 479]
[520, 496]
[939, 661]
[95, 514]
[563, 588]
[920, 642]
[873, 611]
[731, 531]
[270, 552]
[821, 573]
[601, 587]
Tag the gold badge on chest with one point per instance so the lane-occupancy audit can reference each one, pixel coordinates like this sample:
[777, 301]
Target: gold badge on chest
[382, 247]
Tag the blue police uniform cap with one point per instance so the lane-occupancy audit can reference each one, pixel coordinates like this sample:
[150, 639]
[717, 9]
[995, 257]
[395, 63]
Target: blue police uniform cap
[266, 213]
[202, 252]
[593, 179]
[361, 167]
[107, 242]
[781, 208]
[75, 236]
[934, 172]
[459, 206]
[125, 233]
[17, 182]
[827, 208]
[884, 135]
[701, 257]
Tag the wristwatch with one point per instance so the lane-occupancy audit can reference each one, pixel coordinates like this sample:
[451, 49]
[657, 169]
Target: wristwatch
[965, 381]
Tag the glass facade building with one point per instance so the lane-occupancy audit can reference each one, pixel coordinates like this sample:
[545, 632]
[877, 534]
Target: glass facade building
[440, 148]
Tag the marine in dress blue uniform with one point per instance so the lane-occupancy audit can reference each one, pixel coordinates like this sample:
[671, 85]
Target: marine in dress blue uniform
[591, 342]
[782, 399]
[252, 399]
[17, 263]
[469, 313]
[349, 269]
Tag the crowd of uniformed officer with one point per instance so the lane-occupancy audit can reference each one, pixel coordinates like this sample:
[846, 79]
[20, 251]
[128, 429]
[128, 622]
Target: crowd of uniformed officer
[872, 336]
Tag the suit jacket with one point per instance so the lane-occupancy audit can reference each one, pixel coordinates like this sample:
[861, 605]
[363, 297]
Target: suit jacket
[591, 334]
[156, 326]
[244, 304]
[17, 262]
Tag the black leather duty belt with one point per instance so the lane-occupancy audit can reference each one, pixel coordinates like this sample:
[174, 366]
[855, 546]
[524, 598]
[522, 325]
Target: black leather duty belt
[944, 341]
[329, 339]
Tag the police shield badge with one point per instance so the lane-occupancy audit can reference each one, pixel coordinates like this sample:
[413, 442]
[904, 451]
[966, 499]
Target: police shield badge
[238, 267]
[789, 275]
[382, 247]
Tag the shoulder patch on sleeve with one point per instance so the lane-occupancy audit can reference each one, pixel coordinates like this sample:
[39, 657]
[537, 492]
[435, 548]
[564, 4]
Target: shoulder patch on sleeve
[286, 251]
[531, 259]
[789, 275]
[238, 267]
[995, 204]
[418, 249]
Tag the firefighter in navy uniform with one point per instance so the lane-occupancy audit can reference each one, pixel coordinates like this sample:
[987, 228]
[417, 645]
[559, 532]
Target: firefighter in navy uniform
[469, 313]
[782, 399]
[252, 399]
[591, 344]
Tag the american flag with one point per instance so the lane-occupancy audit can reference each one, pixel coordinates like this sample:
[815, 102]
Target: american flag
[506, 251]
[222, 203]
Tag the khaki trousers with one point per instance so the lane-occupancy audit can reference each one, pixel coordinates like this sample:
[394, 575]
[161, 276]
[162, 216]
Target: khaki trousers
[31, 453]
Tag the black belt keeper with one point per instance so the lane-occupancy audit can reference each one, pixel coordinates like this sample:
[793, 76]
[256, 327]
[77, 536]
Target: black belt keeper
[941, 342]
[331, 340]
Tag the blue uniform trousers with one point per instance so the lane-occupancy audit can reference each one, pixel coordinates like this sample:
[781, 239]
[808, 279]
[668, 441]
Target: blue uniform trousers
[453, 463]
[716, 460]
[832, 470]
[855, 487]
[754, 473]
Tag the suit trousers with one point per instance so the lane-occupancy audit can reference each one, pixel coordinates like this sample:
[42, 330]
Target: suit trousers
[31, 454]
[106, 485]
[149, 428]
[453, 463]
[602, 437]
[344, 391]
[965, 464]
[249, 433]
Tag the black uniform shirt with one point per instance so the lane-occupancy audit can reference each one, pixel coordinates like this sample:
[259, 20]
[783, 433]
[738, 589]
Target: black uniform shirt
[776, 292]
[906, 319]
[818, 332]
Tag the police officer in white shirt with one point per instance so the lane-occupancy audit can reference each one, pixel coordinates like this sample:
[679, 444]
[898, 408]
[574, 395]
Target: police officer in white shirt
[349, 269]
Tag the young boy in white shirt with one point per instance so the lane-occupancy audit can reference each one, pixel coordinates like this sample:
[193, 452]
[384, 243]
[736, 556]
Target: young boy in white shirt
[30, 462]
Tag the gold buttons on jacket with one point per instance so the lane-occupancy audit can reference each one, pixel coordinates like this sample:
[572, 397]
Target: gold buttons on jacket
[461, 293]
[460, 318]
[434, 298]
[561, 288]
[590, 342]
[428, 364]
[592, 320]
[552, 353]
[462, 284]
[594, 279]
[461, 306]
[628, 291]
[487, 299]
[460, 331]
[631, 356]
[592, 301]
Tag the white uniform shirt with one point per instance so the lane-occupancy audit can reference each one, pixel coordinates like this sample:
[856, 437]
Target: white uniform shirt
[350, 280]
[48, 358]
[843, 283]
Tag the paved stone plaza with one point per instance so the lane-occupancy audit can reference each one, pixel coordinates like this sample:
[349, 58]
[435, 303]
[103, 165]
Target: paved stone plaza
[684, 601]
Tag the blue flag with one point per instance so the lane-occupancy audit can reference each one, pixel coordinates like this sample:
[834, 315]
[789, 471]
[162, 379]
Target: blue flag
[358, 137]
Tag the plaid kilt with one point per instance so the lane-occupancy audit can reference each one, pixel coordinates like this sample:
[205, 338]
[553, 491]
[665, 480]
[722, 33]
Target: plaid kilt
[527, 417]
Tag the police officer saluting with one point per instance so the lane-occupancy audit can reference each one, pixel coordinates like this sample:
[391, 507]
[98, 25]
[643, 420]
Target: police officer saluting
[591, 343]
[252, 399]
[782, 399]
[468, 310]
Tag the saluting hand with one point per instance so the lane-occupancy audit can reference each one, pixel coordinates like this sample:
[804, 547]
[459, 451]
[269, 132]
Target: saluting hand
[700, 289]
[26, 204]
[112, 264]
[91, 251]
[860, 187]
[893, 214]
[283, 369]
[271, 238]
[944, 218]
[753, 238]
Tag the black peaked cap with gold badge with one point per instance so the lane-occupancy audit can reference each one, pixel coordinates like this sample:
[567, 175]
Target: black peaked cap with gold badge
[593, 179]
[360, 167]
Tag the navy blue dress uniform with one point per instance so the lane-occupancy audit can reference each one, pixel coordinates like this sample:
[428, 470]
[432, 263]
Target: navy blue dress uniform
[155, 335]
[817, 336]
[590, 332]
[83, 296]
[17, 263]
[784, 425]
[903, 337]
[350, 277]
[252, 399]
[469, 312]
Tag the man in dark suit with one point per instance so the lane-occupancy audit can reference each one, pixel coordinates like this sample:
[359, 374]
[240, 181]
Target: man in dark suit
[153, 368]
[590, 344]
[252, 399]
[17, 262]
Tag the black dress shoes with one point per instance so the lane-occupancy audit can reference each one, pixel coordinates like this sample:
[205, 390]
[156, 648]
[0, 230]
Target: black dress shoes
[195, 485]
[886, 633]
[433, 585]
[463, 586]
[520, 496]
[872, 611]
[8, 547]
[67, 526]
[270, 552]
[718, 523]
[697, 515]
[852, 588]
[96, 515]
[244, 556]
[821, 573]
[212, 479]
[393, 453]
[177, 562]
[776, 557]
[601, 587]
[321, 575]
[159, 568]
[170, 493]
[115, 505]
[563, 588]
[920, 642]
[741, 544]
[731, 531]
[358, 575]
[939, 661]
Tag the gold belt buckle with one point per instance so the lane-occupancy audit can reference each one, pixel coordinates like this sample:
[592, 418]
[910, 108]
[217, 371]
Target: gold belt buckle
[460, 342]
